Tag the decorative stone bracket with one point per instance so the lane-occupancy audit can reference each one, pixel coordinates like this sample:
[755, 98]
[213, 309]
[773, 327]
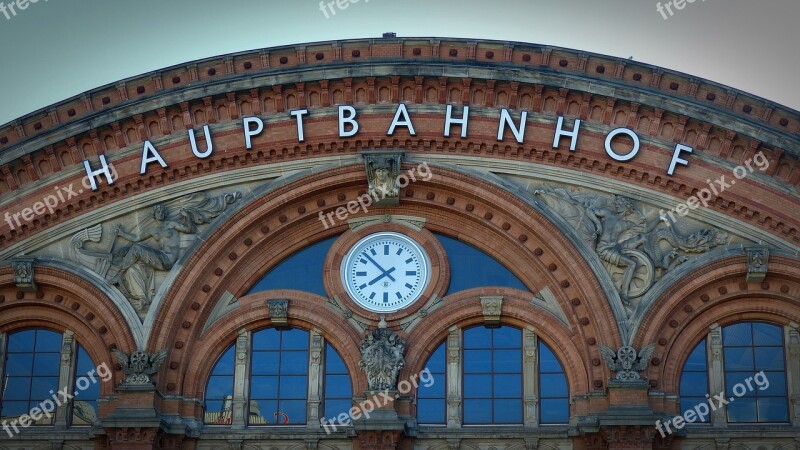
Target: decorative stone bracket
[383, 170]
[23, 272]
[279, 312]
[492, 309]
[757, 261]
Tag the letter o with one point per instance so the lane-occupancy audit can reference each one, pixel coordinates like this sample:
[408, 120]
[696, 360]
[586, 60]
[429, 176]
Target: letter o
[630, 133]
[736, 172]
[405, 390]
[84, 386]
[400, 183]
[737, 391]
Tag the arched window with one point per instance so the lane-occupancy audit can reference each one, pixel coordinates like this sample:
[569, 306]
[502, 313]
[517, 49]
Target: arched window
[492, 376]
[281, 382]
[752, 348]
[553, 388]
[219, 390]
[753, 374]
[694, 379]
[432, 397]
[33, 373]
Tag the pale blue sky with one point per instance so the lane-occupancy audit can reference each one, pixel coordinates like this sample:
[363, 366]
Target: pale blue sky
[59, 48]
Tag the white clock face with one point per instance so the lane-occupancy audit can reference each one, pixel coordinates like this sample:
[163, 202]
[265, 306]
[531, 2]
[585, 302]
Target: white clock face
[386, 272]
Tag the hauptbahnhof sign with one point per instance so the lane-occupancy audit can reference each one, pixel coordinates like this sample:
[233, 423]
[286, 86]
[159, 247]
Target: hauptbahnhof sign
[348, 127]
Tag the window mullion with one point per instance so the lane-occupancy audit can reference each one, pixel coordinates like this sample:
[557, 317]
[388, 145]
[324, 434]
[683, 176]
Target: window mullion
[316, 364]
[241, 373]
[455, 364]
[66, 378]
[793, 371]
[530, 376]
[716, 375]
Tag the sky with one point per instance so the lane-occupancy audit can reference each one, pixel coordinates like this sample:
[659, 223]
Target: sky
[55, 49]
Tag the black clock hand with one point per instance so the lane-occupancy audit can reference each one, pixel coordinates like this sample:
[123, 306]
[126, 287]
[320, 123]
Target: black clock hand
[384, 274]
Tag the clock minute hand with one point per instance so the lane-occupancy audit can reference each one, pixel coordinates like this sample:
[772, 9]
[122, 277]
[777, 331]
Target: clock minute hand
[384, 274]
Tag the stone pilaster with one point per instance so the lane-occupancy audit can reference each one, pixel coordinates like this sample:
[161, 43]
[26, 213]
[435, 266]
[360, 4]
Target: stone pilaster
[793, 371]
[530, 373]
[316, 365]
[66, 378]
[716, 375]
[454, 362]
[240, 381]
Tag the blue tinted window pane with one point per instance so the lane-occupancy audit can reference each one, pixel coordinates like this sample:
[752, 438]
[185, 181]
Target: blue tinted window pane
[268, 339]
[508, 386]
[508, 411]
[430, 411]
[334, 363]
[435, 389]
[477, 386]
[294, 340]
[771, 384]
[553, 385]
[554, 410]
[507, 337]
[293, 387]
[225, 363]
[773, 409]
[22, 341]
[436, 362]
[508, 361]
[735, 384]
[91, 391]
[263, 412]
[17, 388]
[767, 334]
[688, 403]
[46, 364]
[15, 408]
[19, 364]
[262, 387]
[478, 337]
[294, 363]
[769, 358]
[737, 334]
[333, 408]
[48, 341]
[85, 364]
[337, 386]
[301, 271]
[219, 387]
[41, 387]
[265, 363]
[470, 268]
[742, 410]
[693, 384]
[697, 359]
[739, 358]
[291, 412]
[477, 411]
[477, 361]
[547, 360]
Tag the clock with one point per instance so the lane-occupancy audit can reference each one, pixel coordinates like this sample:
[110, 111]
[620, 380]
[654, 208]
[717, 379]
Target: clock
[386, 272]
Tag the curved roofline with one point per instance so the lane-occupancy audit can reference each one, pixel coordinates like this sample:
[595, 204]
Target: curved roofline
[766, 102]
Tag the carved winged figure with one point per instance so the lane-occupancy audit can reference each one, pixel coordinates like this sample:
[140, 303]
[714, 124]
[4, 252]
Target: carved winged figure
[140, 365]
[626, 362]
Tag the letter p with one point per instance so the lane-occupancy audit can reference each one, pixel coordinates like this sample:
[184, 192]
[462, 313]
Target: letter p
[701, 415]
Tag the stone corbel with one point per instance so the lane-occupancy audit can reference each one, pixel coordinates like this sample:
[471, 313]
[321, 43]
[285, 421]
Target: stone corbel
[279, 312]
[757, 261]
[23, 273]
[383, 170]
[492, 307]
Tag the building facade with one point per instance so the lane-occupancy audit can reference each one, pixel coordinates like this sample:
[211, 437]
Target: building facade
[402, 243]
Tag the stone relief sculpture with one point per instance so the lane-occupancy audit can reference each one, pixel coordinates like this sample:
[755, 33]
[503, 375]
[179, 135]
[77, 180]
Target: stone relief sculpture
[382, 173]
[636, 250]
[382, 357]
[626, 362]
[155, 247]
[140, 366]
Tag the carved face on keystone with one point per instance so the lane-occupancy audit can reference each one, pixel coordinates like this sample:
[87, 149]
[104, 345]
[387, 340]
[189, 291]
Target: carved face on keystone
[382, 173]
